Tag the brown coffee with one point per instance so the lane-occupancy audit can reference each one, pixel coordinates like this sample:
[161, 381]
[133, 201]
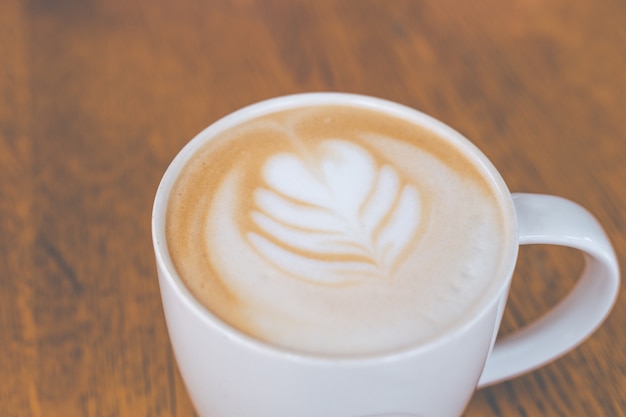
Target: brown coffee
[335, 230]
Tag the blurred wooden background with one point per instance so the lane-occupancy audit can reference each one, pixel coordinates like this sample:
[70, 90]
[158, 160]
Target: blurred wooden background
[97, 96]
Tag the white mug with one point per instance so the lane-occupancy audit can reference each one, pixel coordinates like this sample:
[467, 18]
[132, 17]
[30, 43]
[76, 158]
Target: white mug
[229, 374]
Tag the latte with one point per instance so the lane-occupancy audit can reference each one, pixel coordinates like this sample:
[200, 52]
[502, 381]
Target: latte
[336, 230]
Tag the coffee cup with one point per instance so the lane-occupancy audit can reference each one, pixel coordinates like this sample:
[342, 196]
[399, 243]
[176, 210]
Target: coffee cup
[338, 255]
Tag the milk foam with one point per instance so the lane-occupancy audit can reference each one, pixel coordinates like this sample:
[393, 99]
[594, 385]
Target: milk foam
[349, 238]
[333, 216]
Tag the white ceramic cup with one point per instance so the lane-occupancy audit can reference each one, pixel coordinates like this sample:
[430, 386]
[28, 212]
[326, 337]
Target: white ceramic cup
[229, 374]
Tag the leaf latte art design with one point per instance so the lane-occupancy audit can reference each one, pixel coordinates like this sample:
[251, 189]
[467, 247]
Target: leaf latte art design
[333, 216]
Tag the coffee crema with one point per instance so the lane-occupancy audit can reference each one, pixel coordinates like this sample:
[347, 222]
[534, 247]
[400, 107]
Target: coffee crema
[335, 230]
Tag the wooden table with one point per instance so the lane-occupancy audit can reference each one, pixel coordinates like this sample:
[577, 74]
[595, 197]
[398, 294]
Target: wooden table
[96, 97]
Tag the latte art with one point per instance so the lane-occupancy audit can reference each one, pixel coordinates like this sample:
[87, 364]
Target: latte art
[335, 230]
[334, 216]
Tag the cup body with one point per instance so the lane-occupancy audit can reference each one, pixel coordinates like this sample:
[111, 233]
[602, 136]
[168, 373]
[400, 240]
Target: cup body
[228, 373]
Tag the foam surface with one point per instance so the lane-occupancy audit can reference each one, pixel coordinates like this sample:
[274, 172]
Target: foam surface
[335, 231]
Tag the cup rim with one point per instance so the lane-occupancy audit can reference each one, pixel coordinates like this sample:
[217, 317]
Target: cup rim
[169, 275]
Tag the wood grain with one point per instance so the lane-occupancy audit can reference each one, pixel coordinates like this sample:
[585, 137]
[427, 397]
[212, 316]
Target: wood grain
[97, 96]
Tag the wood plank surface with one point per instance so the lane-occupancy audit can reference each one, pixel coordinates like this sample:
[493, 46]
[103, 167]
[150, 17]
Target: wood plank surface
[97, 96]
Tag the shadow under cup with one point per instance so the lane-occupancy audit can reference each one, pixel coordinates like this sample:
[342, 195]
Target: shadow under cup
[231, 371]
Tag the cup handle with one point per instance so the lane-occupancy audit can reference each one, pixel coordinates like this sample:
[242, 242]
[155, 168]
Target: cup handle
[545, 219]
